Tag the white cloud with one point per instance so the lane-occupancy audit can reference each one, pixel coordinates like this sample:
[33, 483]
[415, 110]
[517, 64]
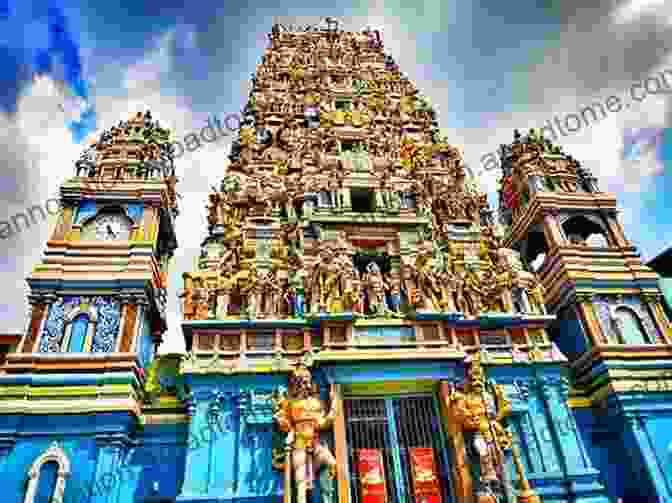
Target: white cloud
[635, 9]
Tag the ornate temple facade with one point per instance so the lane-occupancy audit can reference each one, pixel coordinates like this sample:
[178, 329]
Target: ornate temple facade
[359, 328]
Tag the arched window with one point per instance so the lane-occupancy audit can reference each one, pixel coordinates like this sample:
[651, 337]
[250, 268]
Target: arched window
[47, 476]
[78, 334]
[534, 249]
[46, 482]
[629, 326]
[585, 230]
[80, 327]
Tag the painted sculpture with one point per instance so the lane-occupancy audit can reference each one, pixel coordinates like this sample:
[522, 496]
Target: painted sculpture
[481, 412]
[301, 414]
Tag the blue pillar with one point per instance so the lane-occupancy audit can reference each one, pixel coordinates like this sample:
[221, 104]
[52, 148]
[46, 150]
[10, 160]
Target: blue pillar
[225, 445]
[106, 480]
[563, 427]
[197, 466]
[129, 476]
[542, 431]
[582, 477]
[636, 425]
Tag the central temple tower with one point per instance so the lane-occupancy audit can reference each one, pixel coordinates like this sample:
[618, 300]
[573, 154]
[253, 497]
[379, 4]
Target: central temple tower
[352, 278]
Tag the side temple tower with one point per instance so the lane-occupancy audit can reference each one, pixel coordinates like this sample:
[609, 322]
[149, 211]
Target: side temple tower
[609, 318]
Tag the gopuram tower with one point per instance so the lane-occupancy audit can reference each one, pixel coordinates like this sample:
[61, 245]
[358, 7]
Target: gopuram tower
[355, 318]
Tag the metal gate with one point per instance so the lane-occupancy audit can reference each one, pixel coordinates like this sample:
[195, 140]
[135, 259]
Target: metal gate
[395, 425]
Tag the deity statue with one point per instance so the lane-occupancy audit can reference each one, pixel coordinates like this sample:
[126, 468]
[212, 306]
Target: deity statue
[197, 297]
[490, 291]
[226, 284]
[263, 294]
[188, 309]
[408, 281]
[447, 284]
[470, 409]
[395, 294]
[302, 415]
[472, 293]
[295, 294]
[351, 287]
[375, 288]
[536, 296]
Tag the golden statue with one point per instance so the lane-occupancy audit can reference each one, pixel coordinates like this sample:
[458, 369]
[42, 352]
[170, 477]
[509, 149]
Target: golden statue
[302, 415]
[472, 413]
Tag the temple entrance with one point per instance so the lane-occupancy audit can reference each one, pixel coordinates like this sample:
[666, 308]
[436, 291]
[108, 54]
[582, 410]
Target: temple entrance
[398, 431]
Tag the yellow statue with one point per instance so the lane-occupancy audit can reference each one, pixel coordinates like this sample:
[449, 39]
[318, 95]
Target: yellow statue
[491, 437]
[302, 416]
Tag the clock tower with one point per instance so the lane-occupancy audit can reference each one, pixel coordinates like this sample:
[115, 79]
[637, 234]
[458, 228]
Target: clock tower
[98, 298]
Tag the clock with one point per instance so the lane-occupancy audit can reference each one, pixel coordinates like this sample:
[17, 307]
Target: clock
[108, 227]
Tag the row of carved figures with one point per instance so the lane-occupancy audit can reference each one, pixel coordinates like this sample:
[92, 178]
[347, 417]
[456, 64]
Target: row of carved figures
[334, 285]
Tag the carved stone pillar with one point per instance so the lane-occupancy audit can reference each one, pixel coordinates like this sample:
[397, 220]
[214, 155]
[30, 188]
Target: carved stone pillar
[584, 306]
[652, 300]
[39, 307]
[552, 229]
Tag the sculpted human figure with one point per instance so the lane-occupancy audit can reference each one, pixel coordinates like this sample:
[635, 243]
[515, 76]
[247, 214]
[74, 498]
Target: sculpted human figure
[331, 294]
[448, 285]
[375, 289]
[226, 284]
[260, 293]
[471, 411]
[536, 295]
[199, 297]
[189, 308]
[472, 293]
[490, 291]
[303, 415]
[395, 294]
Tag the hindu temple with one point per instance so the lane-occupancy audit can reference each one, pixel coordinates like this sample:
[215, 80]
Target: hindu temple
[360, 327]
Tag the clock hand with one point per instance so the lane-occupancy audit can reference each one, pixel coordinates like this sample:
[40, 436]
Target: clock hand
[110, 232]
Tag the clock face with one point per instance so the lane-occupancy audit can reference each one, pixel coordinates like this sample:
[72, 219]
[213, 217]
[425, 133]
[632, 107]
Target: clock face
[108, 227]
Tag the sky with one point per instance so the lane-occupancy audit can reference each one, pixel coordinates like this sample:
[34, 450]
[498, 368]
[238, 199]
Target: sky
[69, 70]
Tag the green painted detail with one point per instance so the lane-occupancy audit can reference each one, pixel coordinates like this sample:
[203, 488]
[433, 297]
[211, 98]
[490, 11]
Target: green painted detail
[7, 392]
[152, 386]
[40, 267]
[141, 243]
[389, 388]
